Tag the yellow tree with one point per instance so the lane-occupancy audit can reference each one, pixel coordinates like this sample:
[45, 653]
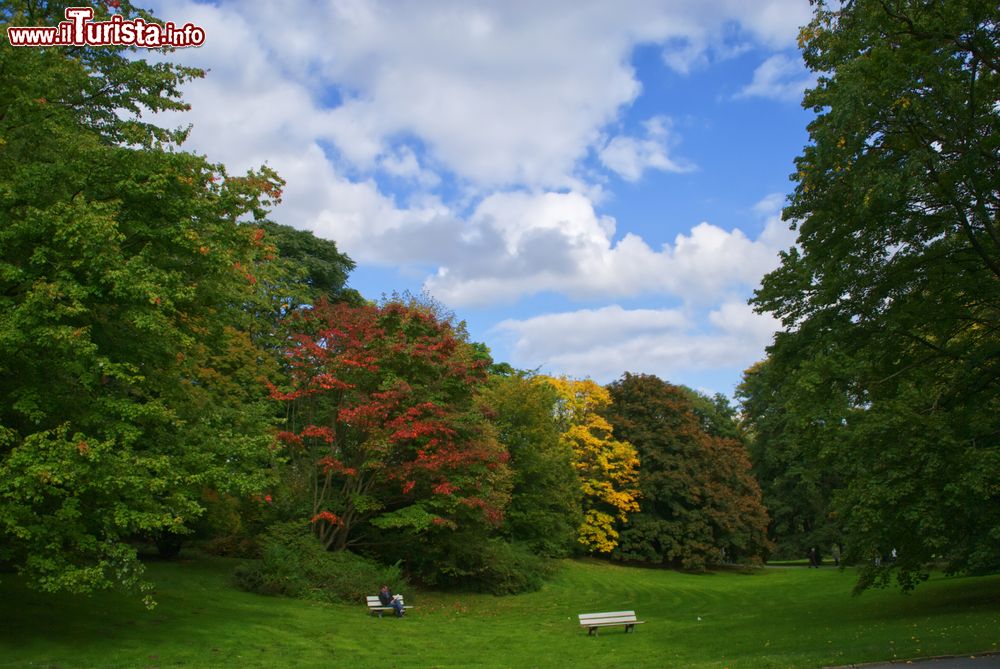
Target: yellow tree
[608, 468]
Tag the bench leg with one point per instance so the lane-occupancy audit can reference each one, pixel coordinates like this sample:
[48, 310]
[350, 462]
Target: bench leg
[591, 631]
[629, 628]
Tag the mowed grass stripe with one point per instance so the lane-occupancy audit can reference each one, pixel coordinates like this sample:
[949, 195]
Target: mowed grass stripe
[772, 618]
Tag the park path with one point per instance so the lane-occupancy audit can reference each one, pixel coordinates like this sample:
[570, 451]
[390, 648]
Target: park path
[985, 661]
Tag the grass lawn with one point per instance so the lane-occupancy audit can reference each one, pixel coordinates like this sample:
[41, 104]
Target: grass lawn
[784, 617]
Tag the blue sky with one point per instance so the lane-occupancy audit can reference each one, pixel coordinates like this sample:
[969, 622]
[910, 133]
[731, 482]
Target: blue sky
[593, 187]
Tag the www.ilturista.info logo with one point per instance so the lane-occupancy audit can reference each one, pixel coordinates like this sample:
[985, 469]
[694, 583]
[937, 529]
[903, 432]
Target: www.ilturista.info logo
[79, 29]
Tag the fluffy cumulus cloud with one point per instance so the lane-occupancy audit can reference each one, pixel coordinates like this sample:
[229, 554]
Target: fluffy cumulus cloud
[780, 77]
[604, 343]
[558, 243]
[472, 142]
[715, 331]
[629, 157]
[403, 163]
[512, 94]
[502, 94]
[491, 102]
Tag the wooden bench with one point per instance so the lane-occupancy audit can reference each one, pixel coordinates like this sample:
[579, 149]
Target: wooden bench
[375, 606]
[594, 621]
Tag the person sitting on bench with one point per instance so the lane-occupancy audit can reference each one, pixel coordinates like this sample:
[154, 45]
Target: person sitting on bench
[395, 601]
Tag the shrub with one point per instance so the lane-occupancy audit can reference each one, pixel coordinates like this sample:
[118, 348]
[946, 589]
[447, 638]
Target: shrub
[492, 566]
[294, 564]
[236, 545]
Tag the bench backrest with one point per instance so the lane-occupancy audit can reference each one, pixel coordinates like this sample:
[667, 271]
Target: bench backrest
[373, 601]
[610, 618]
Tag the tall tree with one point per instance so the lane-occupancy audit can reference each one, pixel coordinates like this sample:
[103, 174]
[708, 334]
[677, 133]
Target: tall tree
[124, 271]
[606, 465]
[792, 429]
[304, 268]
[897, 271]
[544, 511]
[701, 505]
[384, 423]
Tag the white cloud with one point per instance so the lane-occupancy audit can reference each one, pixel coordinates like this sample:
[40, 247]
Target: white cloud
[502, 104]
[629, 157]
[739, 318]
[403, 163]
[770, 205]
[777, 234]
[607, 342]
[499, 95]
[779, 78]
[720, 331]
[552, 335]
[686, 54]
[774, 22]
[698, 41]
[513, 93]
[557, 242]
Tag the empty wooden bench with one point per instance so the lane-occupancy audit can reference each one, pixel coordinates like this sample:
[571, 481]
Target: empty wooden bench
[375, 606]
[594, 621]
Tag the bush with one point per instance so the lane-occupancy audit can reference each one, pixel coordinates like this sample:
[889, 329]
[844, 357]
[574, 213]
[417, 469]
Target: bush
[492, 566]
[236, 546]
[294, 564]
[511, 568]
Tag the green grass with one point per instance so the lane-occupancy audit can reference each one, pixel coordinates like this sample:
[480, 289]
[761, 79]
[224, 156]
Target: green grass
[786, 617]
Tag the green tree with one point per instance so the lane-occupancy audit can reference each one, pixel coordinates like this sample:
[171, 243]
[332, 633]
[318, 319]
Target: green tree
[128, 375]
[304, 268]
[791, 430]
[544, 510]
[897, 271]
[700, 504]
[715, 414]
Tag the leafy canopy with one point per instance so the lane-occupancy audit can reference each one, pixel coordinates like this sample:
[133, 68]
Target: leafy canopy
[701, 505]
[385, 425]
[128, 366]
[545, 506]
[896, 281]
[607, 466]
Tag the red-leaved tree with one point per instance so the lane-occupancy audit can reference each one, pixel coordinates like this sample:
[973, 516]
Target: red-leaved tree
[382, 420]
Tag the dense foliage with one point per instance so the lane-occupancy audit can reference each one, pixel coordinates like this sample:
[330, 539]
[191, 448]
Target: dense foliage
[545, 507]
[786, 422]
[606, 465]
[889, 372]
[385, 427]
[128, 364]
[173, 363]
[700, 504]
[295, 564]
[299, 269]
